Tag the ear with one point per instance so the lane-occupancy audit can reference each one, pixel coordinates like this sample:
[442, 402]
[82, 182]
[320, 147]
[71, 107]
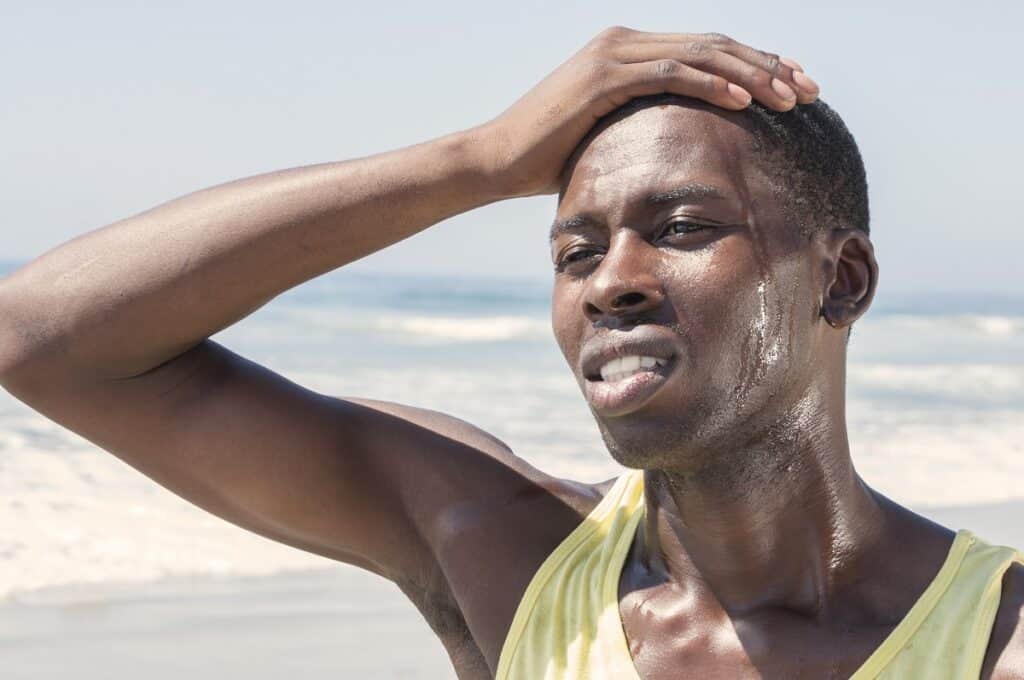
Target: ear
[850, 276]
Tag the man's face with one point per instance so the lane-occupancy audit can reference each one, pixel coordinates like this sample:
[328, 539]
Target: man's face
[673, 247]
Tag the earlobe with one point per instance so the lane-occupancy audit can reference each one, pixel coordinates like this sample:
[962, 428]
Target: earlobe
[828, 319]
[850, 277]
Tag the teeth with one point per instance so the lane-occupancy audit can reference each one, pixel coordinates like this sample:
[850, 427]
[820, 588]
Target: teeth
[623, 367]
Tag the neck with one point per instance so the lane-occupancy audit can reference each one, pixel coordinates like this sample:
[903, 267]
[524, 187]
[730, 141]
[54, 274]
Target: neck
[779, 522]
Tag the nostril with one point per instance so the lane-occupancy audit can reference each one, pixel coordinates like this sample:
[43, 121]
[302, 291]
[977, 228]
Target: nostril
[592, 310]
[628, 300]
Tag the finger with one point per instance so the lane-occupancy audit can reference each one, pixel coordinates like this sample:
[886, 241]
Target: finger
[644, 36]
[693, 49]
[764, 86]
[667, 75]
[781, 67]
[808, 89]
[695, 41]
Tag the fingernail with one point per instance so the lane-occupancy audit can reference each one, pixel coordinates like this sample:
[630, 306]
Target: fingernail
[804, 82]
[790, 63]
[783, 90]
[739, 94]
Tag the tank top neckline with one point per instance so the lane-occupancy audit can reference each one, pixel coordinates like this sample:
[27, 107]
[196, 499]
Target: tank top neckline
[875, 662]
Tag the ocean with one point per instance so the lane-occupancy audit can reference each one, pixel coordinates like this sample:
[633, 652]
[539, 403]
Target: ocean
[935, 415]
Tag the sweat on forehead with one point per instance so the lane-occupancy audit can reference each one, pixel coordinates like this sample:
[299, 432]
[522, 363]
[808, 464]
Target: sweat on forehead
[663, 129]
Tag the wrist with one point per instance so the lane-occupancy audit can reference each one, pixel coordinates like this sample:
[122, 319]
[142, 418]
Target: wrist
[482, 147]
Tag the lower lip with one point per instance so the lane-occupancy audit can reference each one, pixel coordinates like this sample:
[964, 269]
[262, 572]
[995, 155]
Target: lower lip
[624, 396]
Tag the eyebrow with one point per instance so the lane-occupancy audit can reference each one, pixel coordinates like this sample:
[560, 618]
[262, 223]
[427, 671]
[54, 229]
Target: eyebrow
[692, 191]
[685, 192]
[569, 224]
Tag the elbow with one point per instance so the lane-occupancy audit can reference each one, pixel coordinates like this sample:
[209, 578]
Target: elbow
[9, 350]
[12, 354]
[17, 351]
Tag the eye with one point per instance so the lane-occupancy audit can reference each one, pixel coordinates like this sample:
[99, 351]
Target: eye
[576, 256]
[678, 227]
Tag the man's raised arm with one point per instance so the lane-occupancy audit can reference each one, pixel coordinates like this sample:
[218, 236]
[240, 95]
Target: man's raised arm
[108, 334]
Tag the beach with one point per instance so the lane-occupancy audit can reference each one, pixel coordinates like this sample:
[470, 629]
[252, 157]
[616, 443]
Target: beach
[105, 574]
[334, 622]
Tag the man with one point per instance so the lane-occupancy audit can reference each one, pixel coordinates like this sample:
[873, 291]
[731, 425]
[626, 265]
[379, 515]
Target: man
[708, 273]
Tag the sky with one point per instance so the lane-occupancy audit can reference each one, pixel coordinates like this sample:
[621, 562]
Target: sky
[111, 108]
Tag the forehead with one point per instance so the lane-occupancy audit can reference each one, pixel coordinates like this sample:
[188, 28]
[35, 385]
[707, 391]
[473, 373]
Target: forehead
[659, 148]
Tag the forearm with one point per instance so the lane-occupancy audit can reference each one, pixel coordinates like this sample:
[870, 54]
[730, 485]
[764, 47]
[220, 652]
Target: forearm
[122, 299]
[126, 298]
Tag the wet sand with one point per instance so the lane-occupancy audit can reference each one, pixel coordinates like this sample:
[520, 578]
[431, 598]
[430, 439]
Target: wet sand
[331, 623]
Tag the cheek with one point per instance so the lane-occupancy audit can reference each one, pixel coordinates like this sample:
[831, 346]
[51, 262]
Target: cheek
[714, 293]
[729, 304]
[768, 322]
[790, 314]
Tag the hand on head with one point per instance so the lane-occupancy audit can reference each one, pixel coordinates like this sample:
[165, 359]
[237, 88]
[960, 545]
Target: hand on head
[528, 144]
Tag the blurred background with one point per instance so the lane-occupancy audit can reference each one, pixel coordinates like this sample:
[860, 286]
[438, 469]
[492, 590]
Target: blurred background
[113, 108]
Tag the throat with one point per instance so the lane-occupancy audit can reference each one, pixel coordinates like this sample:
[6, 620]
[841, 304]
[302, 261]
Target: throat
[789, 544]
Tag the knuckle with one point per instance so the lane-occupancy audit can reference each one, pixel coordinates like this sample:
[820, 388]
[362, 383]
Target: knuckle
[713, 84]
[758, 77]
[666, 68]
[717, 39]
[613, 33]
[696, 51]
[607, 39]
[772, 62]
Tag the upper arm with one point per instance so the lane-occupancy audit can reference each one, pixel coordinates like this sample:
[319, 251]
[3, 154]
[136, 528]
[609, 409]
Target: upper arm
[360, 481]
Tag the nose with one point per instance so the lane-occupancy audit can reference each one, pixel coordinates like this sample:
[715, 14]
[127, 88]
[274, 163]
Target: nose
[625, 282]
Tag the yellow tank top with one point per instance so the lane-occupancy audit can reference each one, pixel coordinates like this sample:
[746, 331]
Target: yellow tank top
[567, 625]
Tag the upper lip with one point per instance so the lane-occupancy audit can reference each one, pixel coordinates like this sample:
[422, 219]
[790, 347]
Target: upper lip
[640, 341]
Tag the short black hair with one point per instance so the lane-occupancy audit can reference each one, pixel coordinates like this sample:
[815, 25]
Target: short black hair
[818, 170]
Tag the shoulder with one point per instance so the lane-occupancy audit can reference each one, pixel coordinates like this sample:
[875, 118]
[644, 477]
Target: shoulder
[1004, 658]
[519, 479]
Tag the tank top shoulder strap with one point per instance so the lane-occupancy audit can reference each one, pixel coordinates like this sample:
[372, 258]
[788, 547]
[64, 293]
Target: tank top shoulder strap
[945, 634]
[567, 624]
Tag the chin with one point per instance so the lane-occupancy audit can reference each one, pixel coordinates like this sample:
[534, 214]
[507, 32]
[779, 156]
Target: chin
[645, 446]
[685, 438]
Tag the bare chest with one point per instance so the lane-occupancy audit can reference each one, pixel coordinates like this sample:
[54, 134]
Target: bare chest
[670, 639]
